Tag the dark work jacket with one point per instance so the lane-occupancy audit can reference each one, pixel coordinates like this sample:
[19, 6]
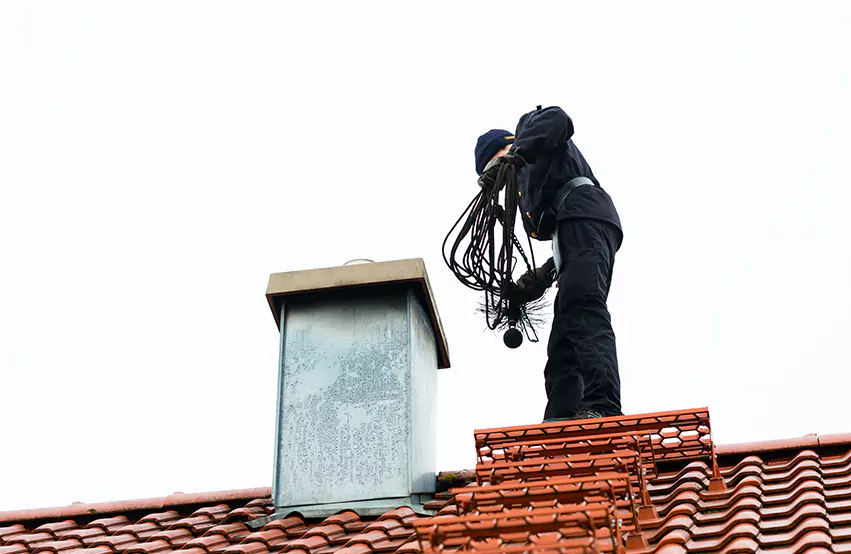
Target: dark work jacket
[543, 140]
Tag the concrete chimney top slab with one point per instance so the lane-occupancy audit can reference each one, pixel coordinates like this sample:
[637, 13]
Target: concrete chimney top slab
[376, 274]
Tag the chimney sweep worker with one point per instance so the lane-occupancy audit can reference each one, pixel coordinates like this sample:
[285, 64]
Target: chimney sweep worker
[561, 200]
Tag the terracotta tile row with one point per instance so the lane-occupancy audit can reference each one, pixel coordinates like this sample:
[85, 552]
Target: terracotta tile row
[786, 506]
[216, 529]
[564, 526]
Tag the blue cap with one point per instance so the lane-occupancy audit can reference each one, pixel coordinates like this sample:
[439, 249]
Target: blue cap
[489, 144]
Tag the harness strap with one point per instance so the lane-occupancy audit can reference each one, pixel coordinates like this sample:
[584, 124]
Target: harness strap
[569, 187]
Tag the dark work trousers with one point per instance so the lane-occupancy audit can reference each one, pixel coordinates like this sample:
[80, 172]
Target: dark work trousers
[582, 365]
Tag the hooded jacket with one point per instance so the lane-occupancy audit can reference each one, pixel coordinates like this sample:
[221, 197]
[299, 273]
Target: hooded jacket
[544, 140]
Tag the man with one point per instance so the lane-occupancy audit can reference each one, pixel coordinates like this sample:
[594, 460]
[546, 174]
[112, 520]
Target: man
[561, 200]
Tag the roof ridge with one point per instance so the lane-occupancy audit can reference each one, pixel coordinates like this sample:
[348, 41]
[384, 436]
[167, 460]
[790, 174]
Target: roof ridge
[811, 440]
[164, 502]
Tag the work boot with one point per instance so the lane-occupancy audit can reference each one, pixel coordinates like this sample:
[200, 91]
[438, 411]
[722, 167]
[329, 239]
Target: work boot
[581, 414]
[589, 414]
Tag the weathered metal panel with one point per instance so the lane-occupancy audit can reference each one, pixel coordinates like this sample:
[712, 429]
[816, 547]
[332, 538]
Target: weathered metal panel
[423, 399]
[279, 435]
[345, 416]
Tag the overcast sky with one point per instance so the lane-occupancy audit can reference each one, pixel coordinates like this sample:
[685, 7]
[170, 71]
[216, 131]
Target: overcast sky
[158, 160]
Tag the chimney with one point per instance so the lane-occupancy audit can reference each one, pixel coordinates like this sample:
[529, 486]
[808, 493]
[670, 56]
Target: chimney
[360, 346]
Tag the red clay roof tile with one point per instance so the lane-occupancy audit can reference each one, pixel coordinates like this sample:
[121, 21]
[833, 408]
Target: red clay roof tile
[246, 514]
[328, 531]
[740, 545]
[389, 545]
[368, 537]
[248, 548]
[675, 537]
[9, 530]
[149, 547]
[93, 550]
[394, 529]
[57, 546]
[284, 524]
[356, 527]
[710, 515]
[331, 548]
[28, 539]
[355, 549]
[208, 543]
[676, 523]
[163, 519]
[306, 543]
[409, 547]
[57, 527]
[193, 550]
[115, 543]
[266, 536]
[109, 524]
[80, 533]
[403, 514]
[263, 502]
[233, 531]
[141, 530]
[714, 544]
[216, 512]
[175, 536]
[726, 527]
[195, 524]
[342, 518]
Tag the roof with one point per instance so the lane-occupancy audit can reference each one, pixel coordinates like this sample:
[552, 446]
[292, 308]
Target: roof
[655, 482]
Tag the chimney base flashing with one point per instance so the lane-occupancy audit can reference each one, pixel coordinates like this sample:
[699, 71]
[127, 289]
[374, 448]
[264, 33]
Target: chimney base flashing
[363, 508]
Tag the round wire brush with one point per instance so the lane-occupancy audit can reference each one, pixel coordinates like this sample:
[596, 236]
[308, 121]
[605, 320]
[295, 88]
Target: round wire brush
[519, 319]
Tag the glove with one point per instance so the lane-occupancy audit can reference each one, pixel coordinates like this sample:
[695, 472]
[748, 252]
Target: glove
[488, 176]
[532, 286]
[514, 159]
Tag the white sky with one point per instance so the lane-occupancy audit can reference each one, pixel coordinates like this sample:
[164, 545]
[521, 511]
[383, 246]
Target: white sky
[158, 160]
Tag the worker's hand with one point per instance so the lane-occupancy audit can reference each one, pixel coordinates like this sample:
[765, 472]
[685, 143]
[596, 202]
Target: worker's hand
[488, 176]
[514, 159]
[532, 286]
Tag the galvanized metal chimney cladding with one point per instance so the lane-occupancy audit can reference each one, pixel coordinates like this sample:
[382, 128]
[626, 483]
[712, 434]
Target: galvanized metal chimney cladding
[360, 347]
